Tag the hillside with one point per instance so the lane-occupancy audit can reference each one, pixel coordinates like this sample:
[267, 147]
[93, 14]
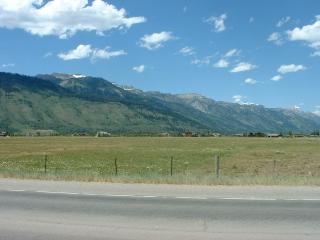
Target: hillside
[32, 103]
[76, 103]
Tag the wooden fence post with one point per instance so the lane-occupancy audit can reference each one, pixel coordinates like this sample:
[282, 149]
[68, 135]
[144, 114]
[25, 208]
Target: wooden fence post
[116, 166]
[45, 163]
[171, 166]
[217, 168]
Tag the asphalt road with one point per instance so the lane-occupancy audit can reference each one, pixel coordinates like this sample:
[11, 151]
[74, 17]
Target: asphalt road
[88, 211]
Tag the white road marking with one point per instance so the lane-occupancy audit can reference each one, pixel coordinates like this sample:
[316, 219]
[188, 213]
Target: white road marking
[17, 190]
[195, 198]
[250, 199]
[162, 197]
[304, 199]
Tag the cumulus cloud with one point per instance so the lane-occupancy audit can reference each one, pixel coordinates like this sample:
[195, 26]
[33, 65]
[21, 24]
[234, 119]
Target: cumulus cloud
[241, 100]
[232, 53]
[315, 54]
[7, 65]
[308, 33]
[222, 63]
[243, 67]
[276, 78]
[203, 61]
[283, 21]
[317, 110]
[185, 9]
[106, 54]
[296, 108]
[48, 54]
[187, 51]
[86, 51]
[155, 40]
[238, 98]
[63, 18]
[218, 22]
[250, 81]
[139, 69]
[276, 38]
[283, 69]
[82, 51]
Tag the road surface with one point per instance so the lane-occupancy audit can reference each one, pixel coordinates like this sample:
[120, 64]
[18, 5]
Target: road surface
[60, 210]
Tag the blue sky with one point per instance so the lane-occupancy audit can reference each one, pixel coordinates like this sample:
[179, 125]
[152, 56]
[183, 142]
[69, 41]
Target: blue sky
[263, 52]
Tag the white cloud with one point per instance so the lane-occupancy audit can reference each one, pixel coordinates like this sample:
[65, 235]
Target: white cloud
[315, 54]
[276, 38]
[243, 67]
[155, 40]
[222, 63]
[82, 51]
[63, 18]
[296, 108]
[139, 69]
[232, 53]
[308, 33]
[187, 51]
[250, 81]
[48, 54]
[283, 69]
[276, 78]
[317, 110]
[241, 100]
[106, 54]
[86, 51]
[204, 61]
[218, 22]
[185, 9]
[238, 98]
[7, 65]
[283, 21]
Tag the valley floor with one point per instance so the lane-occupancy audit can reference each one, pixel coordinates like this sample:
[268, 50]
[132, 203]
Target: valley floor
[174, 160]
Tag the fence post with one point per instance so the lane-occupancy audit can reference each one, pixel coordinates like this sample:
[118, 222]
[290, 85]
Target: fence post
[45, 163]
[217, 165]
[116, 166]
[171, 166]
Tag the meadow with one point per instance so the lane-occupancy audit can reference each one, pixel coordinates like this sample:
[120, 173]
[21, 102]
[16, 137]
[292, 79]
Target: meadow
[244, 161]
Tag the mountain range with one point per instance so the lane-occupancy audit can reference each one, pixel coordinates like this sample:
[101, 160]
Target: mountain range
[71, 103]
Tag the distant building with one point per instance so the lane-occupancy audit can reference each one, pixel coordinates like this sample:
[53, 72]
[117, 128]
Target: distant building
[299, 135]
[314, 135]
[4, 134]
[103, 134]
[238, 135]
[187, 134]
[165, 134]
[273, 135]
[190, 134]
[215, 134]
[41, 133]
[81, 134]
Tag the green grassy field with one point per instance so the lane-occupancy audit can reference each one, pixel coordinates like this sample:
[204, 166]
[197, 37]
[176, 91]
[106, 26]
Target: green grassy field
[147, 159]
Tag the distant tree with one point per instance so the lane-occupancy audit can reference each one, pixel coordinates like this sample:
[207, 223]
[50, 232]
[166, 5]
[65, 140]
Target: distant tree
[260, 134]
